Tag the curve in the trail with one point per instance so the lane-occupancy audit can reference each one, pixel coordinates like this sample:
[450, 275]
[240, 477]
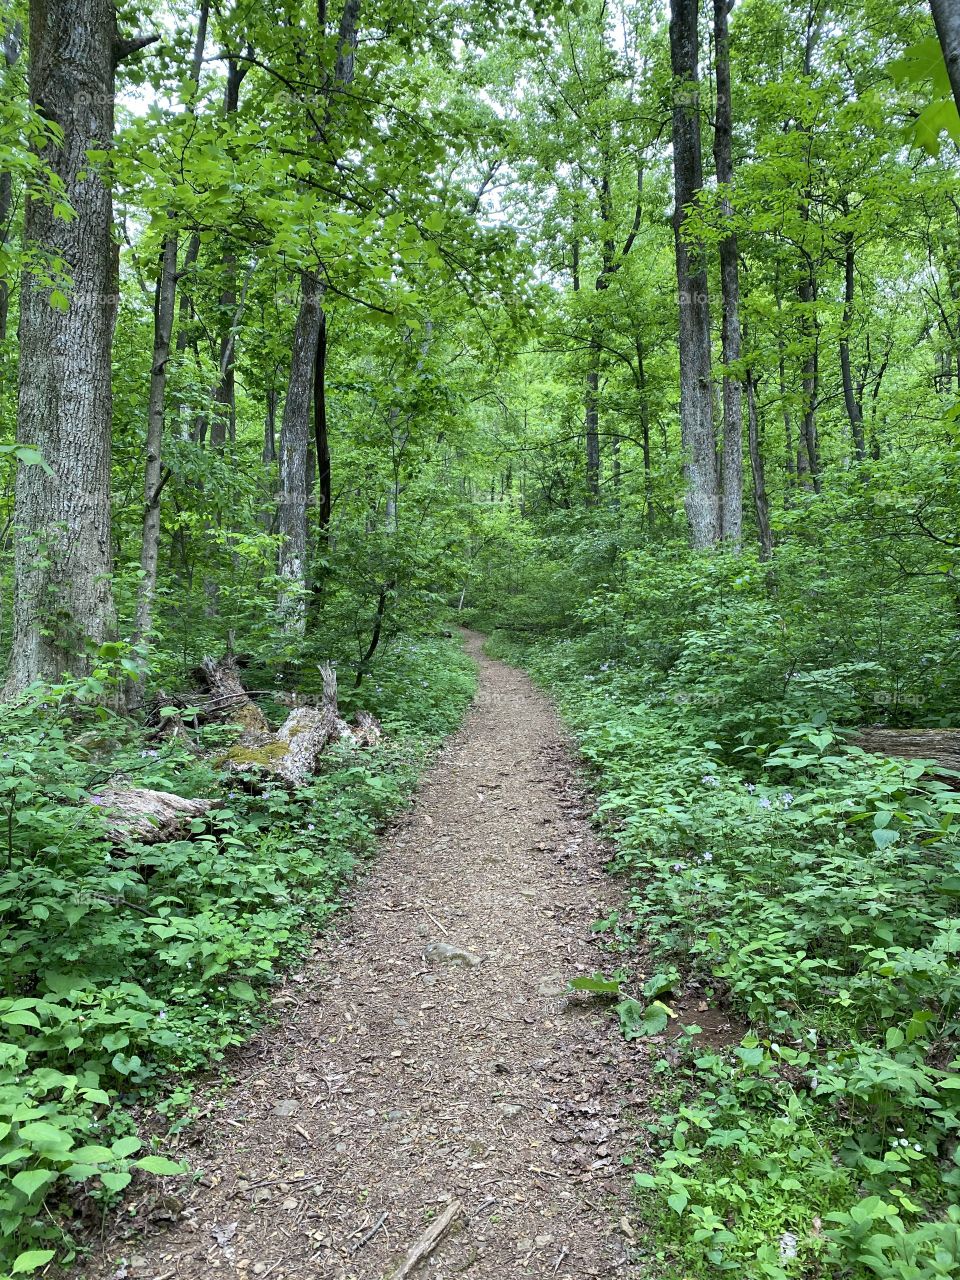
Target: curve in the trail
[403, 1077]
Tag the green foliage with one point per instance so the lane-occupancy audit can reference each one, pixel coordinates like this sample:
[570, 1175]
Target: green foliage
[810, 887]
[127, 969]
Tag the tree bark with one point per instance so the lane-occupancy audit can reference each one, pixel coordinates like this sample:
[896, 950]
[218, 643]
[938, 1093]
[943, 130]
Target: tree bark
[63, 602]
[321, 438]
[295, 428]
[732, 455]
[853, 406]
[12, 45]
[696, 392]
[760, 505]
[163, 308]
[592, 422]
[946, 19]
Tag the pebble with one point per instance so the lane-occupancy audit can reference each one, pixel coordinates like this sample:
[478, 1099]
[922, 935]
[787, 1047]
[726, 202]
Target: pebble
[286, 1107]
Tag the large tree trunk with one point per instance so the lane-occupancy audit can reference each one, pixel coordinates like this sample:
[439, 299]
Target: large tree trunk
[946, 18]
[732, 457]
[294, 448]
[63, 603]
[808, 456]
[696, 392]
[12, 44]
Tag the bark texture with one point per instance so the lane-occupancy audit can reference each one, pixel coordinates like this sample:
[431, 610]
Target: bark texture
[12, 45]
[732, 455]
[939, 745]
[148, 817]
[946, 19]
[295, 423]
[63, 602]
[696, 391]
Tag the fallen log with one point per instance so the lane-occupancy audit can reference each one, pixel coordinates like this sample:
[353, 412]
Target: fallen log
[145, 816]
[939, 745]
[292, 754]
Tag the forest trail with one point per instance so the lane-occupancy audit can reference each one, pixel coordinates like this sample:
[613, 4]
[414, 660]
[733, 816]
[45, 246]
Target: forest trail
[395, 1083]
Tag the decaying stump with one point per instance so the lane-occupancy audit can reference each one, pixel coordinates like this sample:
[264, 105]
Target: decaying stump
[137, 813]
[939, 745]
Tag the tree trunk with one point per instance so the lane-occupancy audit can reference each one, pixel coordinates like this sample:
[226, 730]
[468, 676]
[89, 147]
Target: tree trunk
[732, 456]
[63, 602]
[153, 472]
[854, 408]
[808, 459]
[295, 429]
[946, 19]
[224, 424]
[294, 448]
[11, 53]
[760, 504]
[696, 393]
[270, 427]
[321, 438]
[592, 422]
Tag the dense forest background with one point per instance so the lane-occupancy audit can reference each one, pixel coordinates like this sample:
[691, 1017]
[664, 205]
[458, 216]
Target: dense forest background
[631, 336]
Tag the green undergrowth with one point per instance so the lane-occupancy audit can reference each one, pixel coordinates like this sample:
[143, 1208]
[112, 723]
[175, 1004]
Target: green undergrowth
[812, 889]
[124, 973]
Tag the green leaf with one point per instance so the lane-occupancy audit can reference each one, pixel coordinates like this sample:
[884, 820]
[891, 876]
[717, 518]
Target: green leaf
[126, 1146]
[31, 1260]
[598, 984]
[161, 1165]
[883, 837]
[115, 1179]
[29, 1181]
[242, 991]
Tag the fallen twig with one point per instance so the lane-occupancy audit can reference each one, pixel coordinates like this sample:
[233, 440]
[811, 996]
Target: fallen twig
[421, 1249]
[368, 1236]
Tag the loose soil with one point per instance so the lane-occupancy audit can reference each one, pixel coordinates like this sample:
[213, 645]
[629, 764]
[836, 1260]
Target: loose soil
[395, 1082]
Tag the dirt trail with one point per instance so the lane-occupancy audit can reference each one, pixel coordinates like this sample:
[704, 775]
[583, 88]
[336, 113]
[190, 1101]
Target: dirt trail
[397, 1082]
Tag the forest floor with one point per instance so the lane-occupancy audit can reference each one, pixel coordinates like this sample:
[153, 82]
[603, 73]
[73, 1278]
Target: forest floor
[394, 1082]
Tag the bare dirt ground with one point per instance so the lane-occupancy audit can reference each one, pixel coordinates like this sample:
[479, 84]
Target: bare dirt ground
[399, 1079]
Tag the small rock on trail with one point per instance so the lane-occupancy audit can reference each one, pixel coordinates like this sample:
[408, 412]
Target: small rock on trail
[409, 1071]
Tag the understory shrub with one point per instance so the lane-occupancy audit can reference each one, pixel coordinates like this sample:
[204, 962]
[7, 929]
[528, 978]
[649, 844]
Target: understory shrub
[126, 970]
[811, 889]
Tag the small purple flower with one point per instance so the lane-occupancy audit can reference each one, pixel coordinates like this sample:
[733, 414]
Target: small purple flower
[786, 799]
[708, 857]
[764, 802]
[709, 780]
[750, 787]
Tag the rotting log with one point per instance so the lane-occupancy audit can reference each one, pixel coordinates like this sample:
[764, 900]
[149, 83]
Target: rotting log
[145, 816]
[942, 746]
[292, 754]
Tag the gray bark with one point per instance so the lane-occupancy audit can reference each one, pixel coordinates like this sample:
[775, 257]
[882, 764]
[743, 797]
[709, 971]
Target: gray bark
[12, 45]
[702, 499]
[295, 423]
[732, 456]
[63, 603]
[153, 479]
[760, 505]
[946, 19]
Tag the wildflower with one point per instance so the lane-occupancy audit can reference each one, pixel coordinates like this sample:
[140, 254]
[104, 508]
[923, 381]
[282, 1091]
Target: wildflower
[310, 826]
[708, 857]
[786, 799]
[751, 787]
[904, 1142]
[917, 1146]
[764, 802]
[709, 780]
[162, 1014]
[677, 866]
